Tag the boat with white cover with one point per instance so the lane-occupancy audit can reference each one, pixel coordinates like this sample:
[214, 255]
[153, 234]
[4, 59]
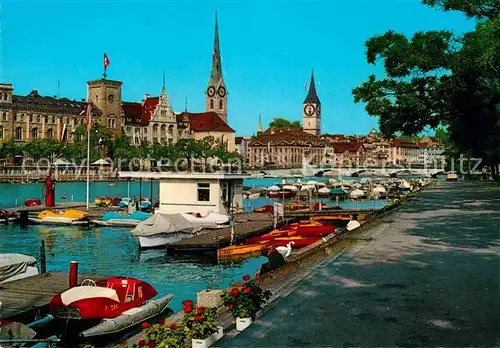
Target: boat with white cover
[17, 266]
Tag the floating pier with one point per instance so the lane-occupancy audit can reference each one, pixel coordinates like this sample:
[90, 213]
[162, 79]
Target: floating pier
[31, 296]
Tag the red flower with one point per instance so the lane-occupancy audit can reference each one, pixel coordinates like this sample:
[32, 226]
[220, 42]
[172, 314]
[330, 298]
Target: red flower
[197, 318]
[231, 306]
[247, 290]
[235, 292]
[188, 309]
[188, 303]
[162, 322]
[246, 278]
[141, 343]
[200, 310]
[145, 325]
[152, 343]
[174, 326]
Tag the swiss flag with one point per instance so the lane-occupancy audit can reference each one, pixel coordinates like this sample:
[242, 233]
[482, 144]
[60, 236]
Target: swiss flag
[106, 61]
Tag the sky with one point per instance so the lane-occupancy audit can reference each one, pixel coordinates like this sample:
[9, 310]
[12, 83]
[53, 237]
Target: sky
[268, 48]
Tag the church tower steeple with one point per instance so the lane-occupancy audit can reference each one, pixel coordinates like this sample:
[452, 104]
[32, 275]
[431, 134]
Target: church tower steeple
[216, 94]
[312, 110]
[259, 126]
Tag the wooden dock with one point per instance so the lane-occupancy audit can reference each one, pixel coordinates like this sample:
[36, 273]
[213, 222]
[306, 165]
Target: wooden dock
[38, 208]
[31, 296]
[247, 225]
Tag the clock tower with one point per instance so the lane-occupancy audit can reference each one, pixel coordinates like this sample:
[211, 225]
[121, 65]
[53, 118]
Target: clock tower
[311, 112]
[216, 94]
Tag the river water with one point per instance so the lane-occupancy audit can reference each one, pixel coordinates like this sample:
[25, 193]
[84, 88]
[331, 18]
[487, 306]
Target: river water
[113, 251]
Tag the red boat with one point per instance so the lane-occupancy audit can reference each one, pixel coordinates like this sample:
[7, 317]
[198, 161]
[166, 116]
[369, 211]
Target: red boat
[30, 202]
[298, 241]
[281, 194]
[264, 209]
[101, 300]
[116, 201]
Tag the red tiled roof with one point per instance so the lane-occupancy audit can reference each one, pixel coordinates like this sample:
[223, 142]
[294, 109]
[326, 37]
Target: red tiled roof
[353, 146]
[403, 143]
[206, 122]
[134, 114]
[287, 136]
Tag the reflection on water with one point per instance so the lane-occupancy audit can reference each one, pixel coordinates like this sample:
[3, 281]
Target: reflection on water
[112, 251]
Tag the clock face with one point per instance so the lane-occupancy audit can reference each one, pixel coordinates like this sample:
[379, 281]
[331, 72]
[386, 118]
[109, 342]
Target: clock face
[221, 91]
[309, 109]
[211, 91]
[111, 98]
[318, 110]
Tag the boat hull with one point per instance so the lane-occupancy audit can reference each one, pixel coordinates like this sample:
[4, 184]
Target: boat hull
[30, 271]
[161, 240]
[117, 223]
[58, 221]
[129, 318]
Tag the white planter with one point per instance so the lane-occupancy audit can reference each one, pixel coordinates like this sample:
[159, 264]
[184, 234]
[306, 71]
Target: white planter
[196, 343]
[243, 323]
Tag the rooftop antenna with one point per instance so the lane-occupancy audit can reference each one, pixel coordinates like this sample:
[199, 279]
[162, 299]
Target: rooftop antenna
[186, 105]
[163, 78]
[58, 85]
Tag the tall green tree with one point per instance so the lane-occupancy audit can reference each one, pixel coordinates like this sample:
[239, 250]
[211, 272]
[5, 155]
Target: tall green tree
[437, 78]
[280, 122]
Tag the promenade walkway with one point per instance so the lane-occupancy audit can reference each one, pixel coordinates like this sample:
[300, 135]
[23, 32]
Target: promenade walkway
[429, 277]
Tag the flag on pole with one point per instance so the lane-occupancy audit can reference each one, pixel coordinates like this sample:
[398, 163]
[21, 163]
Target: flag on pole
[88, 116]
[63, 131]
[106, 61]
[305, 86]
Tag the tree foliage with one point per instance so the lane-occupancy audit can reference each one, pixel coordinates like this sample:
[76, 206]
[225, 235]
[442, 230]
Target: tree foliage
[437, 78]
[280, 122]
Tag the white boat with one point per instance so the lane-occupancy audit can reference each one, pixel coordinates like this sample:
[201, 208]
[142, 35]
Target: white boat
[161, 230]
[17, 266]
[211, 220]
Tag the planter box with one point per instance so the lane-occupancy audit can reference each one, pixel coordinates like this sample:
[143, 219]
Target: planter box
[196, 343]
[243, 323]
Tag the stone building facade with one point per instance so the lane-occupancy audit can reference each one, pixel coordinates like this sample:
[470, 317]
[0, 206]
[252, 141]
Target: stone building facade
[285, 147]
[32, 117]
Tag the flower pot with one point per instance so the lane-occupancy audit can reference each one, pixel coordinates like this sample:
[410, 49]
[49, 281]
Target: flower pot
[209, 341]
[243, 323]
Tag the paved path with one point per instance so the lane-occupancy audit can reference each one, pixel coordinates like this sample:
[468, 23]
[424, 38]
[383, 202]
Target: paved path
[430, 277]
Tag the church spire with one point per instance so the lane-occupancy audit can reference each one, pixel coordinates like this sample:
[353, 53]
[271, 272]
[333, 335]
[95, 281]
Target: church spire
[259, 126]
[216, 74]
[312, 96]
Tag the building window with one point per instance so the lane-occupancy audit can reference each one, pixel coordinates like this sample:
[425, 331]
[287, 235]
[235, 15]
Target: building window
[34, 133]
[1, 132]
[211, 103]
[53, 120]
[31, 118]
[46, 119]
[128, 130]
[5, 96]
[50, 133]
[203, 192]
[19, 133]
[163, 130]
[75, 122]
[38, 119]
[171, 130]
[221, 104]
[4, 116]
[155, 130]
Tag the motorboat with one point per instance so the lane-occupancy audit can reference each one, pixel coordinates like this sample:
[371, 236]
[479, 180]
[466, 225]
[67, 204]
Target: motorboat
[161, 230]
[17, 266]
[297, 206]
[66, 217]
[109, 306]
[243, 249]
[281, 194]
[124, 202]
[112, 218]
